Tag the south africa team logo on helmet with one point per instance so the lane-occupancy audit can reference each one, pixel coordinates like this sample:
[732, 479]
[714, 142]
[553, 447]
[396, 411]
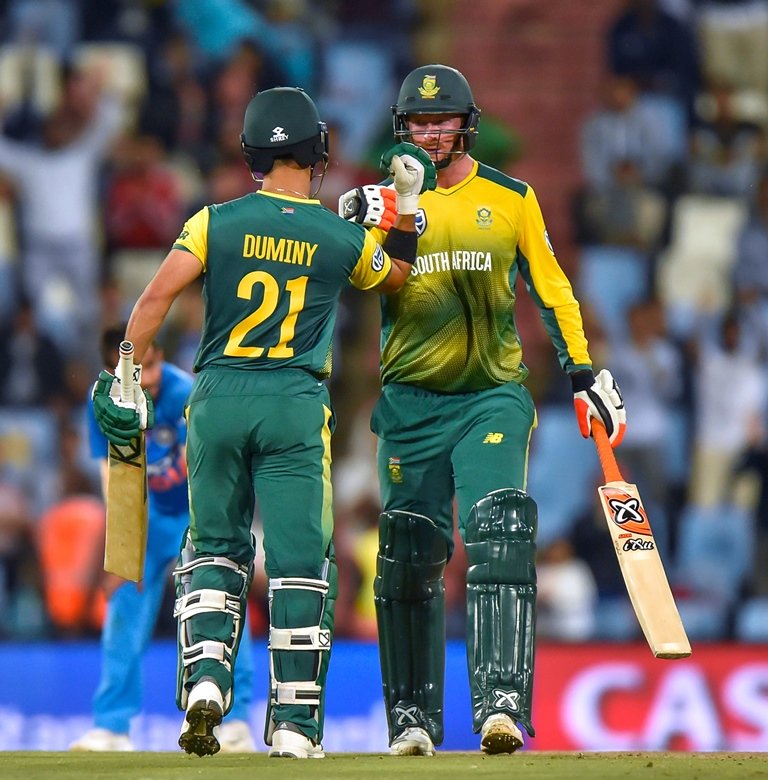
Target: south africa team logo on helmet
[429, 89]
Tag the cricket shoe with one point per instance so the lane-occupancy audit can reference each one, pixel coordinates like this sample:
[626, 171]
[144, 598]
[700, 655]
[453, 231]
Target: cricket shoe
[235, 737]
[414, 741]
[102, 741]
[500, 735]
[205, 709]
[288, 741]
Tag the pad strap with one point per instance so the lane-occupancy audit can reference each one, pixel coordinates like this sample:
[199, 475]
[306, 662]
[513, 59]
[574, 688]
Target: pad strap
[297, 692]
[207, 600]
[215, 560]
[305, 638]
[299, 583]
[216, 651]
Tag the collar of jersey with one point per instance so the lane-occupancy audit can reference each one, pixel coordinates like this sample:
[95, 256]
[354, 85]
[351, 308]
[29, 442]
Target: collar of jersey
[282, 196]
[471, 175]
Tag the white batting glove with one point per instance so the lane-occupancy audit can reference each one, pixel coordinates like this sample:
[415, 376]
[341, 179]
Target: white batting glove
[141, 403]
[412, 172]
[408, 175]
[370, 206]
[602, 401]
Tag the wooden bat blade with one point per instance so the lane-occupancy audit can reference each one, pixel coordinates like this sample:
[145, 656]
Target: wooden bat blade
[126, 533]
[643, 571]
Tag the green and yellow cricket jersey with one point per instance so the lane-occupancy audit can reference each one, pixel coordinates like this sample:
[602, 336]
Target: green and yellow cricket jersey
[451, 328]
[273, 268]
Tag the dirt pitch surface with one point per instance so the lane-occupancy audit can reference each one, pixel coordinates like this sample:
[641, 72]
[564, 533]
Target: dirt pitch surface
[444, 766]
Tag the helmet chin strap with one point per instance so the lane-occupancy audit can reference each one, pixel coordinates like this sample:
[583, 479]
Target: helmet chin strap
[454, 154]
[449, 157]
[320, 177]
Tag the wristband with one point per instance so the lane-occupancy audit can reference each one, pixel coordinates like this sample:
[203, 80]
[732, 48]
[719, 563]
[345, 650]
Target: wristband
[401, 244]
[407, 204]
[582, 380]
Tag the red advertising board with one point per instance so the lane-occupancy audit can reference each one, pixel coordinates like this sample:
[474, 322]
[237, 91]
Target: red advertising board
[619, 697]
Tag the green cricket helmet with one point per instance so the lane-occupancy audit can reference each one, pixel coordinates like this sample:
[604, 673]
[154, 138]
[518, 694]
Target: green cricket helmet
[436, 89]
[283, 123]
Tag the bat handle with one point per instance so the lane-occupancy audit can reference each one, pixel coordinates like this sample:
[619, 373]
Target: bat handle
[605, 453]
[125, 371]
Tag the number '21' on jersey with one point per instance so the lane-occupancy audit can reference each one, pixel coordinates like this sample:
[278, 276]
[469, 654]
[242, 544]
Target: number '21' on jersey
[274, 267]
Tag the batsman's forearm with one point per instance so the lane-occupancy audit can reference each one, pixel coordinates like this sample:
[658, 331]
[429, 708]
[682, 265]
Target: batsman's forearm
[145, 321]
[405, 222]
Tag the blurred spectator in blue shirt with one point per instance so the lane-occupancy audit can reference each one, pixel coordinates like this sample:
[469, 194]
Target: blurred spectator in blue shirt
[217, 27]
[649, 369]
[622, 130]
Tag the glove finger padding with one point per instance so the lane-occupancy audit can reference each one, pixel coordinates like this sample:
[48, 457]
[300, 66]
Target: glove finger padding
[119, 424]
[140, 402]
[408, 176]
[121, 421]
[418, 157]
[601, 401]
[370, 206]
[149, 406]
[143, 406]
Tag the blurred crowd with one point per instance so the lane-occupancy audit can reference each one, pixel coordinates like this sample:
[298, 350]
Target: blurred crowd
[671, 223]
[120, 118]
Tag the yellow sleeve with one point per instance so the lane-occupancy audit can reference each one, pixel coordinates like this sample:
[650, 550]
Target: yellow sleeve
[551, 289]
[378, 233]
[194, 236]
[373, 266]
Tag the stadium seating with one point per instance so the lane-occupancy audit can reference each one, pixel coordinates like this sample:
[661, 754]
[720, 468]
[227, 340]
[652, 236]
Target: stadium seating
[703, 619]
[615, 620]
[560, 456]
[693, 272]
[611, 279]
[752, 620]
[24, 67]
[715, 551]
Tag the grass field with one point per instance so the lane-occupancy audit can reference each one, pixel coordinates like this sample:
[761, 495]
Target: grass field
[445, 766]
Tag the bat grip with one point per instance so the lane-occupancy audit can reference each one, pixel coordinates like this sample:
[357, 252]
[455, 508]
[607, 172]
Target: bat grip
[124, 371]
[605, 453]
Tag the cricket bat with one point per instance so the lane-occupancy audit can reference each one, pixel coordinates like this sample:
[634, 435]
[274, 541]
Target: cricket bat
[126, 537]
[639, 557]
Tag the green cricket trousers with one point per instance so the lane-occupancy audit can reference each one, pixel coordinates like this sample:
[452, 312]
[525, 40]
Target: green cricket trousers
[261, 438]
[433, 446]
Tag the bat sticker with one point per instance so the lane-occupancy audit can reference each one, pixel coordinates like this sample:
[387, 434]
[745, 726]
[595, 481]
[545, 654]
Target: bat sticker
[626, 511]
[130, 454]
[632, 545]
